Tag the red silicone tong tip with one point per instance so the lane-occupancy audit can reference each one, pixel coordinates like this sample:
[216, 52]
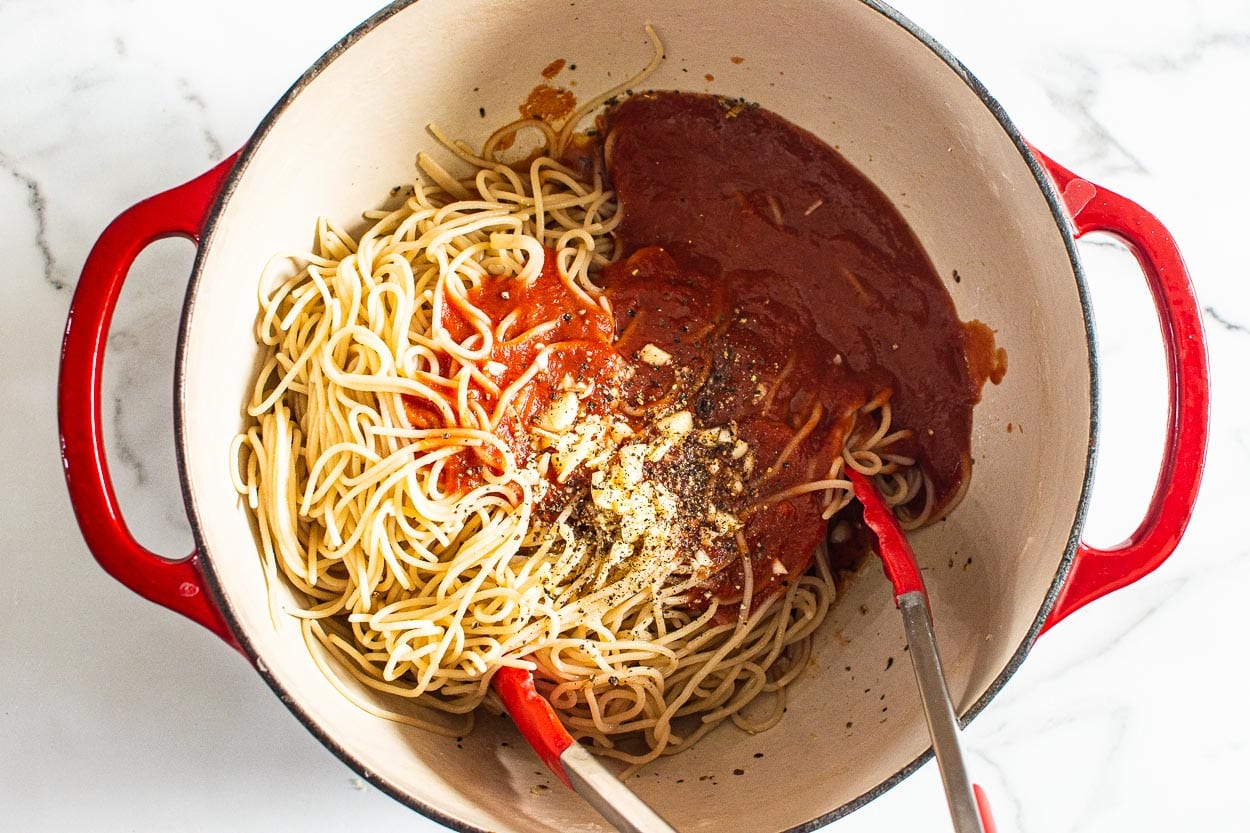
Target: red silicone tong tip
[896, 555]
[573, 764]
[534, 717]
[983, 807]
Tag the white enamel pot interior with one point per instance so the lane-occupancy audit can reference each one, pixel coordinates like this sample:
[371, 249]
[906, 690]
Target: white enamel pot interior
[908, 116]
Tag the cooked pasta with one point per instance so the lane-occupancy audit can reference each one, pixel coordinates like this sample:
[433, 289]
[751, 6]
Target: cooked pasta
[455, 464]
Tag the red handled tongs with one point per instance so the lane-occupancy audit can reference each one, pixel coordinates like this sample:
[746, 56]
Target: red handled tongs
[970, 809]
[569, 760]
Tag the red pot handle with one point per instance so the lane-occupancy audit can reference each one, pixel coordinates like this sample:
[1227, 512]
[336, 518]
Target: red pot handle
[1097, 572]
[177, 585]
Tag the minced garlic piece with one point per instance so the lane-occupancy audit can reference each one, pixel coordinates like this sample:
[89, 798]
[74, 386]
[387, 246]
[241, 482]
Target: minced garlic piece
[560, 414]
[654, 356]
[586, 440]
[676, 424]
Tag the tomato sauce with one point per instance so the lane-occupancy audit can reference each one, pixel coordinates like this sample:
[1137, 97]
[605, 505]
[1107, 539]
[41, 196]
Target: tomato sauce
[742, 353]
[767, 286]
[789, 293]
[581, 352]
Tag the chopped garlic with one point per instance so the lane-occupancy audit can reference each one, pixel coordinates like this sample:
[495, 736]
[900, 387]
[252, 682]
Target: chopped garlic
[676, 424]
[640, 508]
[657, 452]
[654, 356]
[495, 368]
[707, 438]
[584, 442]
[560, 414]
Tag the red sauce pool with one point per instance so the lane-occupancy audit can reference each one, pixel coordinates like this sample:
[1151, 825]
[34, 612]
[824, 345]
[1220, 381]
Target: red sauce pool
[786, 291]
[780, 278]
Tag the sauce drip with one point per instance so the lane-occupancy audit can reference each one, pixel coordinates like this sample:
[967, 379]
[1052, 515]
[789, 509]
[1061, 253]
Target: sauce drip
[548, 103]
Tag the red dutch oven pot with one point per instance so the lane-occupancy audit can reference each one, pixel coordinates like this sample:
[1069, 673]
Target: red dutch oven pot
[982, 201]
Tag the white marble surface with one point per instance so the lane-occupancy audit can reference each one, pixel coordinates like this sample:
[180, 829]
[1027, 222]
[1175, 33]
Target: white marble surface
[116, 715]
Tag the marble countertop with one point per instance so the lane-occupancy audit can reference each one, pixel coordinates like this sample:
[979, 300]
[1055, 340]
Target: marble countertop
[116, 715]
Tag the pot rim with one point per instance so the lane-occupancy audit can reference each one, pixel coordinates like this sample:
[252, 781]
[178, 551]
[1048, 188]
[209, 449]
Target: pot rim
[1053, 201]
